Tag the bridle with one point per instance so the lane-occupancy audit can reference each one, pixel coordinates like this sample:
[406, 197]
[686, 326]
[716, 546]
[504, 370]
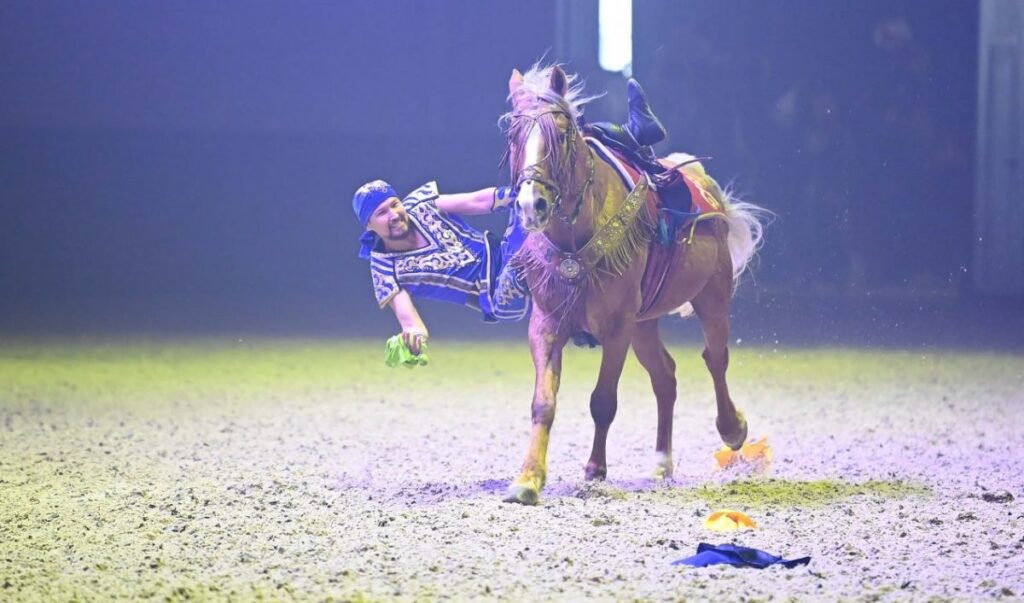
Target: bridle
[533, 172]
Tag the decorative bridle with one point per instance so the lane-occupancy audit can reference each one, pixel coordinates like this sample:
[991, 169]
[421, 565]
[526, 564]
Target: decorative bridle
[534, 173]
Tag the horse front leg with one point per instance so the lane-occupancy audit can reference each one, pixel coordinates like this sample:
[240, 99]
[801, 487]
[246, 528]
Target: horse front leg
[546, 344]
[604, 401]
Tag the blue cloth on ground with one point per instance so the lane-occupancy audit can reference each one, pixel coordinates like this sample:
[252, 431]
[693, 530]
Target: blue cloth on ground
[737, 556]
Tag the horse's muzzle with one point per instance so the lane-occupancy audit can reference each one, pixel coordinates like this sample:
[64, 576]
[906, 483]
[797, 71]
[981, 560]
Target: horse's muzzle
[534, 215]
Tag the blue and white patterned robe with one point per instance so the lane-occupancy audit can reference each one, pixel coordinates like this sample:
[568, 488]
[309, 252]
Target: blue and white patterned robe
[459, 264]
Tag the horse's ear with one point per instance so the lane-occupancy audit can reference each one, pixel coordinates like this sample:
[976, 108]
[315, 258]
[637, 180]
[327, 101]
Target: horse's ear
[559, 81]
[515, 81]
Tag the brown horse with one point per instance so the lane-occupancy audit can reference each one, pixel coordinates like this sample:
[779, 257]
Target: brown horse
[585, 258]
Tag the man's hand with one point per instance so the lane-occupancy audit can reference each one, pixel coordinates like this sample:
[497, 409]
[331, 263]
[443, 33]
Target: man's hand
[414, 340]
[397, 352]
[414, 332]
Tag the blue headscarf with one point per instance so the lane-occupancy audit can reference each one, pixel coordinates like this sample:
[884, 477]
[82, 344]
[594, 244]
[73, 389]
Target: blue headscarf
[368, 198]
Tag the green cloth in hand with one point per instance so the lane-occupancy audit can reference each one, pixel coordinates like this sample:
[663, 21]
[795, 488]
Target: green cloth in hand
[397, 353]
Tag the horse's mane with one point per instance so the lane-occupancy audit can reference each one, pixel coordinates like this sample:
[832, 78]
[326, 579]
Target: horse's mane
[536, 90]
[533, 93]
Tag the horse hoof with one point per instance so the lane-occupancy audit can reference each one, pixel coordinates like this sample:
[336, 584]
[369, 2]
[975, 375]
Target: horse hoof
[594, 473]
[737, 436]
[663, 468]
[523, 495]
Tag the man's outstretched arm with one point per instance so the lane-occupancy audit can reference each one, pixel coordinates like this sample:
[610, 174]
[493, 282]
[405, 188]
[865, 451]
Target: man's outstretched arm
[483, 201]
[414, 332]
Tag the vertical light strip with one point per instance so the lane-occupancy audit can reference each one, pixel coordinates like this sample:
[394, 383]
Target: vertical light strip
[615, 34]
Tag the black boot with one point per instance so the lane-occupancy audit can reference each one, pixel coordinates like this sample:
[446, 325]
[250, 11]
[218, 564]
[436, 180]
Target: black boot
[645, 127]
[621, 139]
[641, 129]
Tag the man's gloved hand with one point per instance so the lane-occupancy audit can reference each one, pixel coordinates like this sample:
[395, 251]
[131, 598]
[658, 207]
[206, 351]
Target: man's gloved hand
[407, 349]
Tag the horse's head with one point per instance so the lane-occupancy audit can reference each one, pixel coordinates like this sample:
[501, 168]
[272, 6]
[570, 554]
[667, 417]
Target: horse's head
[545, 146]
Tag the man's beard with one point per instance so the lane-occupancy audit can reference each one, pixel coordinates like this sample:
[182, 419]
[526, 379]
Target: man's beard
[400, 231]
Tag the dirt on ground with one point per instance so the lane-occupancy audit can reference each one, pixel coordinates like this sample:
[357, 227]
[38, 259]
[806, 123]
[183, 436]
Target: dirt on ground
[236, 470]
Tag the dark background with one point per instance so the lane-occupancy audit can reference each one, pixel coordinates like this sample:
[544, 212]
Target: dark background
[187, 167]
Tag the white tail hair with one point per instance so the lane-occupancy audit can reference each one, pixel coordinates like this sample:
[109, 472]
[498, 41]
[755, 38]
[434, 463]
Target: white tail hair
[745, 221]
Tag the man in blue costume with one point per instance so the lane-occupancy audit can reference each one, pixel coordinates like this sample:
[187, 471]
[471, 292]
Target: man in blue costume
[420, 247]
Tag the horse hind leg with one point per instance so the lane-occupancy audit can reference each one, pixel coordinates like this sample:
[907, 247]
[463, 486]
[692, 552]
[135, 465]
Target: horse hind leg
[712, 306]
[651, 352]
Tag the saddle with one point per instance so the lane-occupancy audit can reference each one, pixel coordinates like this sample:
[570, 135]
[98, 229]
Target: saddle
[673, 202]
[679, 197]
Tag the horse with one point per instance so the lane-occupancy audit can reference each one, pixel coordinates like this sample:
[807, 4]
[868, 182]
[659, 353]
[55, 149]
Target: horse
[584, 259]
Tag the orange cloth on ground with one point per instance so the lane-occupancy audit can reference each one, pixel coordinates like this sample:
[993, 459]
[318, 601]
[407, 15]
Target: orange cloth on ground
[751, 451]
[727, 521]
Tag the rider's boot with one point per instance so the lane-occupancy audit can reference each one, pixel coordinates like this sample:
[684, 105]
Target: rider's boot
[642, 127]
[642, 123]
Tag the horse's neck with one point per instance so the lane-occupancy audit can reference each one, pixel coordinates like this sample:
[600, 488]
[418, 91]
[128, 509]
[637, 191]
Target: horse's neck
[602, 200]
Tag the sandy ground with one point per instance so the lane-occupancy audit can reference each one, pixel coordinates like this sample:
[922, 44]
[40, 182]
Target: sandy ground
[307, 470]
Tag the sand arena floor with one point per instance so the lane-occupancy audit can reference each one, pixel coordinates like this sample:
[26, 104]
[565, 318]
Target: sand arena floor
[235, 470]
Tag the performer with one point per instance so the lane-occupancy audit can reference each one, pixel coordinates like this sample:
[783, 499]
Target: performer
[420, 247]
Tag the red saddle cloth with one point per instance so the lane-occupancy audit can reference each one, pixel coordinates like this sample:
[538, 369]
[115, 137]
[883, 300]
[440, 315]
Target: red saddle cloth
[661, 258]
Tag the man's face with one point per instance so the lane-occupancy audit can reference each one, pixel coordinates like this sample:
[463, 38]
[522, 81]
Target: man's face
[390, 221]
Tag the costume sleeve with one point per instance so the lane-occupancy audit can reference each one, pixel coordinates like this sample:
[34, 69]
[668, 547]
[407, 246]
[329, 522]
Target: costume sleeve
[427, 192]
[385, 285]
[426, 197]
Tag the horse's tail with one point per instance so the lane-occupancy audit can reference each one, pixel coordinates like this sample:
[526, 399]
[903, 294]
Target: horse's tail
[746, 227]
[746, 232]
